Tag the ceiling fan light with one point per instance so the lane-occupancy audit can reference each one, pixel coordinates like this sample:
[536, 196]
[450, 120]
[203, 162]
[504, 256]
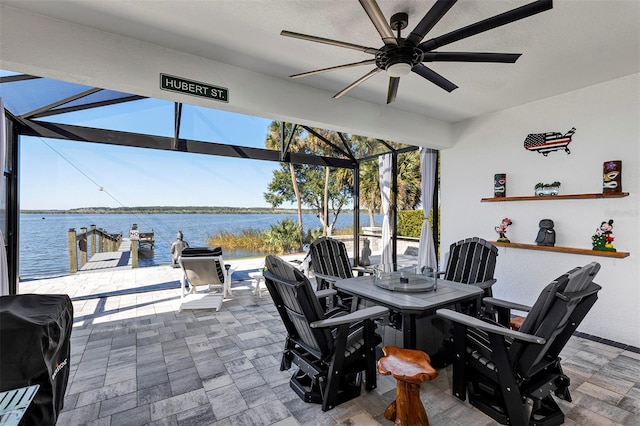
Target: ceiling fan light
[399, 69]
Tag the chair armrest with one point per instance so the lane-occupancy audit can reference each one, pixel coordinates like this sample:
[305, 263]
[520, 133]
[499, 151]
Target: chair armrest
[330, 278]
[490, 301]
[323, 294]
[485, 284]
[360, 315]
[489, 328]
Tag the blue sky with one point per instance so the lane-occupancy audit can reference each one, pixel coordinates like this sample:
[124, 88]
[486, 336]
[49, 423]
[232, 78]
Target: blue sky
[57, 174]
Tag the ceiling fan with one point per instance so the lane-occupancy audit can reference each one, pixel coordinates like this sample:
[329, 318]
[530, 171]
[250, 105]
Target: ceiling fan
[401, 55]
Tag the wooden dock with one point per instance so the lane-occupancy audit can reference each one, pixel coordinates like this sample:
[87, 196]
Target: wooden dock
[98, 249]
[120, 259]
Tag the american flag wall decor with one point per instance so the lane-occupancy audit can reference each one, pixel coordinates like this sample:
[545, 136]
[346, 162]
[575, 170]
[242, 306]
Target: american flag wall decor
[544, 143]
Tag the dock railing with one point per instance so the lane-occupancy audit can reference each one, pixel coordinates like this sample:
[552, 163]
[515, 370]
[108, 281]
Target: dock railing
[89, 242]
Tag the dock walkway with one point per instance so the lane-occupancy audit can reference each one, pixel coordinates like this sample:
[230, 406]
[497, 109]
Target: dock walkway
[120, 259]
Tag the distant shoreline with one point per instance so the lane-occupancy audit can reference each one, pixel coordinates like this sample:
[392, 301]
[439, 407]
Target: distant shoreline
[172, 210]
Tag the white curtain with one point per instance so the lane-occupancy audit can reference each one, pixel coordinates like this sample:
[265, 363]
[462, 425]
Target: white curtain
[426, 250]
[4, 278]
[384, 162]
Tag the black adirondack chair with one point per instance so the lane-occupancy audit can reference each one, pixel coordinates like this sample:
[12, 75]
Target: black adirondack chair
[331, 353]
[501, 369]
[472, 261]
[330, 261]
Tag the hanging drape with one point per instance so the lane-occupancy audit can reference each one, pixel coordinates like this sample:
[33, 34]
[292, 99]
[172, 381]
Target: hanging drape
[384, 163]
[4, 278]
[426, 250]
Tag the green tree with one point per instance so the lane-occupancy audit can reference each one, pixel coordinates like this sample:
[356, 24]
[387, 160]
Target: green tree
[316, 187]
[283, 237]
[409, 178]
[274, 141]
[337, 190]
[370, 197]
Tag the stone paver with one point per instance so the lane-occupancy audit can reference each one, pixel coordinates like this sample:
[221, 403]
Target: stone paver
[137, 360]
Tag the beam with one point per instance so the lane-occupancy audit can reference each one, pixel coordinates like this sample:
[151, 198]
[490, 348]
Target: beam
[137, 140]
[56, 104]
[82, 107]
[177, 118]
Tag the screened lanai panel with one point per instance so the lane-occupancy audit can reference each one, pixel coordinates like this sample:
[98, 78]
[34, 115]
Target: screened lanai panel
[95, 98]
[229, 128]
[144, 116]
[24, 94]
[22, 97]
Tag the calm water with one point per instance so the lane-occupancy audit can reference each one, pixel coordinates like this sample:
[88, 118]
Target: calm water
[44, 248]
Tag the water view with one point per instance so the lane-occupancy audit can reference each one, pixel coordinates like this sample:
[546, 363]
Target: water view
[44, 248]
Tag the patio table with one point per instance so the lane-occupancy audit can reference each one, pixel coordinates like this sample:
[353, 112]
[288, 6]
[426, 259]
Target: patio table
[407, 309]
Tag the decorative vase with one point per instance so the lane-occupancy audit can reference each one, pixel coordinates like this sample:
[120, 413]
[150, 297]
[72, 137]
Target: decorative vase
[612, 177]
[500, 185]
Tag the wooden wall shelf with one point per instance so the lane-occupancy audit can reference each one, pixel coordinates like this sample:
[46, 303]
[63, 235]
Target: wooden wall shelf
[617, 254]
[557, 197]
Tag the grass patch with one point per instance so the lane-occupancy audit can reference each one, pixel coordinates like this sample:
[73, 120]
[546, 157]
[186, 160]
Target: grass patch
[247, 239]
[257, 241]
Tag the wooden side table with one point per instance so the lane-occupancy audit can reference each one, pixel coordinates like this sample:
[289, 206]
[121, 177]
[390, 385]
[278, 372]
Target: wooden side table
[409, 367]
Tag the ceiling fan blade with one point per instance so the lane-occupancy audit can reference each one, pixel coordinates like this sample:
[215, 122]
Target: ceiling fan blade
[354, 64]
[329, 41]
[434, 77]
[431, 18]
[488, 24]
[375, 14]
[508, 58]
[394, 82]
[357, 82]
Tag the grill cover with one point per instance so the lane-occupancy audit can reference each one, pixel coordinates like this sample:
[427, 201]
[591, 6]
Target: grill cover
[35, 333]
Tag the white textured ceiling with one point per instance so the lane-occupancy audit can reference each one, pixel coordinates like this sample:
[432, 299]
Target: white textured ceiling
[576, 44]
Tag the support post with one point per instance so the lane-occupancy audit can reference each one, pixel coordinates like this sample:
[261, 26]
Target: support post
[93, 240]
[101, 241]
[394, 207]
[82, 243]
[356, 214]
[134, 253]
[435, 217]
[73, 251]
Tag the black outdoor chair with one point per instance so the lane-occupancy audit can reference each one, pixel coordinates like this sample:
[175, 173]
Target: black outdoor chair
[472, 261]
[330, 261]
[331, 352]
[502, 369]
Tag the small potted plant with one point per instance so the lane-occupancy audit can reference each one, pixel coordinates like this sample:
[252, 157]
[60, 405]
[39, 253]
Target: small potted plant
[542, 189]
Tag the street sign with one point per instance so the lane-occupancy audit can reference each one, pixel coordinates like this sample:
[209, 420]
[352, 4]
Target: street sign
[193, 88]
[134, 235]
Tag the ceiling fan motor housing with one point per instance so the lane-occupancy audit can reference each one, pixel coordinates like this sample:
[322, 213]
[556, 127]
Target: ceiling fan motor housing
[404, 54]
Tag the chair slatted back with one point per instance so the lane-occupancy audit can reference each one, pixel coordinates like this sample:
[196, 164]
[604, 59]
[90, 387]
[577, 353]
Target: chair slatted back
[202, 265]
[471, 261]
[203, 270]
[329, 257]
[298, 306]
[558, 311]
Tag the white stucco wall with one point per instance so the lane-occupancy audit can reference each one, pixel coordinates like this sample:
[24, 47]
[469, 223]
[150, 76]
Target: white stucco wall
[607, 119]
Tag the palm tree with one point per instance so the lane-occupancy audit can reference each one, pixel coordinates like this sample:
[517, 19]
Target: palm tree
[370, 197]
[409, 177]
[369, 176]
